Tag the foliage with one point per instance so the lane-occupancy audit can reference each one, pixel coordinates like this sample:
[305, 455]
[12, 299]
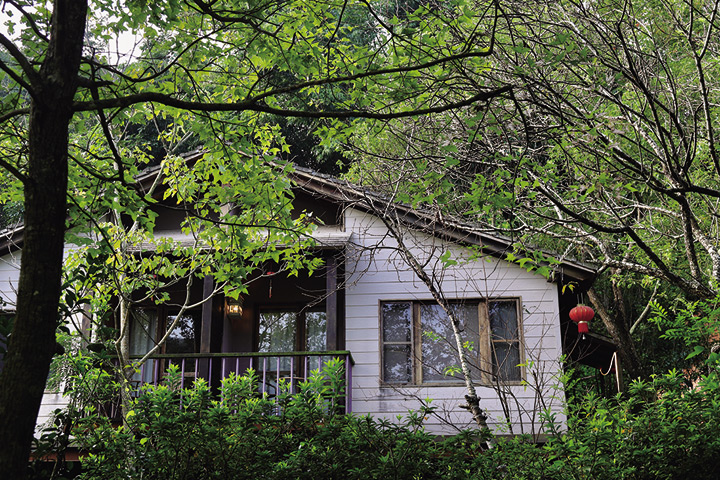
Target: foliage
[175, 434]
[660, 429]
[605, 151]
[210, 74]
[664, 427]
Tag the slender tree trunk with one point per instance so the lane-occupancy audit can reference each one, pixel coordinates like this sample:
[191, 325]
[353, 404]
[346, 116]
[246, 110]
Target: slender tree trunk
[471, 396]
[32, 342]
[620, 334]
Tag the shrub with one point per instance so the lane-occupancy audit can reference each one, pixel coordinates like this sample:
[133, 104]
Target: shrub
[661, 428]
[172, 433]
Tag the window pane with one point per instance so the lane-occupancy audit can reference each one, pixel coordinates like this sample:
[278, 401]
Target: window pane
[503, 320]
[397, 364]
[142, 339]
[439, 349]
[185, 337]
[277, 332]
[506, 360]
[397, 322]
[316, 328]
[142, 331]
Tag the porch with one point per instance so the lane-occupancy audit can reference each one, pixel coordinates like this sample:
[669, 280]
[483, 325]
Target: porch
[274, 369]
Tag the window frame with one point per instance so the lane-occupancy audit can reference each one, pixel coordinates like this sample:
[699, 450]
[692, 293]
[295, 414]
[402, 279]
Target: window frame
[485, 351]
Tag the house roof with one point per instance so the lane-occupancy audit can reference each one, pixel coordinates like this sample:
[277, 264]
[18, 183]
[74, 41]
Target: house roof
[341, 192]
[337, 190]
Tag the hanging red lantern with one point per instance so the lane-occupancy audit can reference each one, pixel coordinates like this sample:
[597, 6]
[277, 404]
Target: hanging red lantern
[582, 314]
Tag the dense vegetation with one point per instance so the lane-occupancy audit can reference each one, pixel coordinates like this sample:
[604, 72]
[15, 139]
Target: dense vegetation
[665, 427]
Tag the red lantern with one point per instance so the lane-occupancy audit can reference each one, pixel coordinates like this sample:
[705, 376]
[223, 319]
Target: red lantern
[582, 314]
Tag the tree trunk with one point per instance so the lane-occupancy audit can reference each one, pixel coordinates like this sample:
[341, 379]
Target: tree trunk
[620, 334]
[32, 342]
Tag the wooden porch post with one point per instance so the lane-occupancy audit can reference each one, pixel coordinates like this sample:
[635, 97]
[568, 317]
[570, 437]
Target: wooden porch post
[206, 327]
[331, 302]
[207, 308]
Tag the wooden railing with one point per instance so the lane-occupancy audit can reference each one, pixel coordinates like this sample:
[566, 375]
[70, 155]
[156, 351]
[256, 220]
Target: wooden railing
[270, 367]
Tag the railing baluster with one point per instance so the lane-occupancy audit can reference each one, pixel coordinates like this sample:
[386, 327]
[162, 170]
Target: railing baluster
[222, 375]
[263, 375]
[277, 378]
[182, 373]
[292, 374]
[210, 365]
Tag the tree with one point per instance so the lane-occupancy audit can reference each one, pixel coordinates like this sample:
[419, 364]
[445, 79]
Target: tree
[604, 150]
[616, 146]
[226, 63]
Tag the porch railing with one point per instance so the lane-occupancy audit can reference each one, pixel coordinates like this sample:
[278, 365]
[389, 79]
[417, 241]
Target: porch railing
[270, 367]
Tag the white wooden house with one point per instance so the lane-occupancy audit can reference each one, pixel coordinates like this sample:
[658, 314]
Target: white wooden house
[369, 307]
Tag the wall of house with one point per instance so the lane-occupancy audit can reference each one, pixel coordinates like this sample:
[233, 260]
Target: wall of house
[376, 273]
[9, 276]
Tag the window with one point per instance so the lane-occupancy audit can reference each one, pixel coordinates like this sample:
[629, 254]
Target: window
[293, 331]
[145, 331]
[418, 345]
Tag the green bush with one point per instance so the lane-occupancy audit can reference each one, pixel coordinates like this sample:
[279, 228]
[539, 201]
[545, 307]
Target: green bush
[663, 428]
[172, 433]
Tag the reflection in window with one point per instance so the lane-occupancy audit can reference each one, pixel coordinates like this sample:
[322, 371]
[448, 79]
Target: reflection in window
[505, 340]
[439, 350]
[143, 331]
[430, 355]
[277, 332]
[185, 337]
[397, 338]
[291, 331]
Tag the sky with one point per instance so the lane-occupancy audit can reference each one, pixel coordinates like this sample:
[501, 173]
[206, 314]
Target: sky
[120, 48]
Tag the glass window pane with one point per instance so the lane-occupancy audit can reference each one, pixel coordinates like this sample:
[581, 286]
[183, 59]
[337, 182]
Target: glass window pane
[506, 360]
[397, 364]
[397, 322]
[503, 320]
[142, 338]
[143, 331]
[316, 328]
[185, 337]
[439, 349]
[277, 332]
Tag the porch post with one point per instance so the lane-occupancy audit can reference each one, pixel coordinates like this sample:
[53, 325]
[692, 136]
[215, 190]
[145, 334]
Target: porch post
[206, 327]
[207, 307]
[331, 301]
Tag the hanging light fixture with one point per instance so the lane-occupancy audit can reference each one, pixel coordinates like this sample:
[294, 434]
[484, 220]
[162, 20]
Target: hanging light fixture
[233, 308]
[582, 314]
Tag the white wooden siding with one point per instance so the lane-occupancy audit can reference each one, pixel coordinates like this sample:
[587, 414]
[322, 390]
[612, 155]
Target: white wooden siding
[377, 273]
[9, 277]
